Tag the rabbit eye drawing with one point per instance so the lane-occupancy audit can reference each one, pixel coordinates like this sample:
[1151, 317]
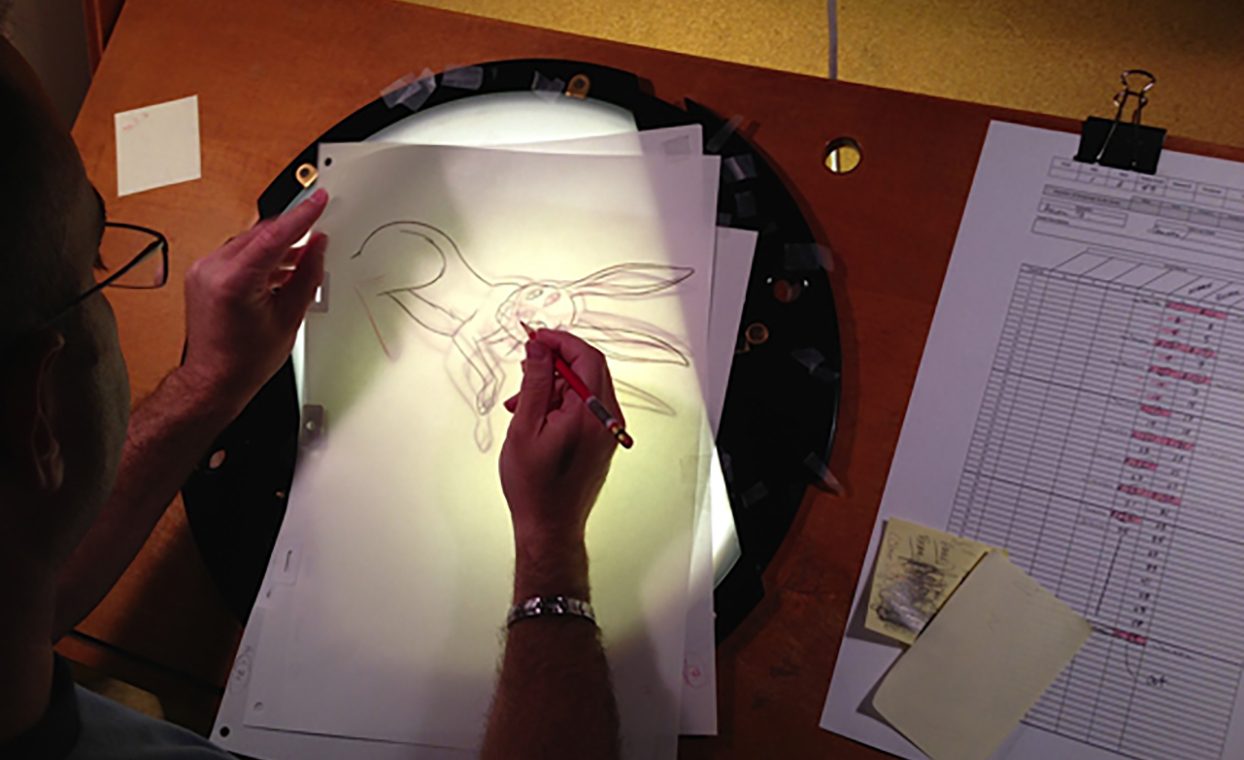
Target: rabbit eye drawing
[481, 317]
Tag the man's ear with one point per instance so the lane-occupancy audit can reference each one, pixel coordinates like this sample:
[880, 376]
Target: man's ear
[29, 435]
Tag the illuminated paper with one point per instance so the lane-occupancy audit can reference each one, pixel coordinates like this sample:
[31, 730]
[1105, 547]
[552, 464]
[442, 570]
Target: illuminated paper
[158, 145]
[918, 568]
[732, 265]
[994, 648]
[412, 396]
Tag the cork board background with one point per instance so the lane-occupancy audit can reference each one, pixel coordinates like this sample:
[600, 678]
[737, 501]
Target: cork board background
[1060, 57]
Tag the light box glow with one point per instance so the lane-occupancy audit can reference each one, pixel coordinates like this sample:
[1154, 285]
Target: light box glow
[427, 521]
[519, 119]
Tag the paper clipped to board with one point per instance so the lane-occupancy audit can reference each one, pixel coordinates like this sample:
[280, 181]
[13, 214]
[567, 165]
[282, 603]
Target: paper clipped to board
[918, 568]
[995, 647]
[158, 145]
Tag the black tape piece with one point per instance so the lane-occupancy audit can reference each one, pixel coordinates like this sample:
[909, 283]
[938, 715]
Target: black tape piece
[807, 257]
[814, 361]
[738, 168]
[718, 141]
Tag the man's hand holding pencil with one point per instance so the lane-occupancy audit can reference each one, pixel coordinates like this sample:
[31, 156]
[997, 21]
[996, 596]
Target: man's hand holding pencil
[555, 459]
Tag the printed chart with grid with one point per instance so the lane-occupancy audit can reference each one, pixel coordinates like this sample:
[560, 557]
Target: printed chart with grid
[1108, 459]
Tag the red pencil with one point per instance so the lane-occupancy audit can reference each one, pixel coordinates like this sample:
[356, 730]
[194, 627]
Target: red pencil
[611, 423]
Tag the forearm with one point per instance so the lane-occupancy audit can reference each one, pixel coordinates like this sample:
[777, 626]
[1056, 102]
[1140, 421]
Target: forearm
[554, 698]
[168, 434]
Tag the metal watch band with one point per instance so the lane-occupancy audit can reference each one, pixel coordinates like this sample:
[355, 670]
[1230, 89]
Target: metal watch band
[539, 606]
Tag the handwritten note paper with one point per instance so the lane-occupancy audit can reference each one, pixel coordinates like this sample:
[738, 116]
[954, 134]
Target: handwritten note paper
[917, 570]
[158, 145]
[979, 666]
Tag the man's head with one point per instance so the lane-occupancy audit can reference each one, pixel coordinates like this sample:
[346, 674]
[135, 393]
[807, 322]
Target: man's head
[64, 397]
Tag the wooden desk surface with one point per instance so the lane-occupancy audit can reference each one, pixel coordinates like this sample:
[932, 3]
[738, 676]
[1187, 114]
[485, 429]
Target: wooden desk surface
[271, 76]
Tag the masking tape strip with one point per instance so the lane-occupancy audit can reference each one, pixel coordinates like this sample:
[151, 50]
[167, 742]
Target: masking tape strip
[745, 204]
[547, 89]
[754, 495]
[718, 140]
[813, 361]
[814, 463]
[817, 467]
[738, 168]
[808, 257]
[463, 77]
[409, 91]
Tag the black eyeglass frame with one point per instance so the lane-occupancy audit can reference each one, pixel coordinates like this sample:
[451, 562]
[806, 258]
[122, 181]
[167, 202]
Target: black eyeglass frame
[160, 243]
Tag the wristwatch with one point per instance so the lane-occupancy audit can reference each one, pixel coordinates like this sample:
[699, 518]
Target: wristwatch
[539, 606]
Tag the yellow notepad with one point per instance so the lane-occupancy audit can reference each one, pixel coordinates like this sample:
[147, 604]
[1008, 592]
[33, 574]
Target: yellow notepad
[981, 664]
[917, 570]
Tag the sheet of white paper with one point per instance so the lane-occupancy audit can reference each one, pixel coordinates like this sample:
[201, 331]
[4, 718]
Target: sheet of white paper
[231, 732]
[731, 271]
[733, 255]
[451, 635]
[699, 704]
[699, 697]
[698, 708]
[1079, 404]
[670, 141]
[158, 145]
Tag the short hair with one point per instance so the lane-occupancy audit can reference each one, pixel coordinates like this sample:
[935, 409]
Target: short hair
[35, 198]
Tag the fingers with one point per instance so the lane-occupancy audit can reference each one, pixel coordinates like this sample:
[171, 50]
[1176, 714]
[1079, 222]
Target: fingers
[558, 397]
[267, 244]
[537, 388]
[299, 290]
[587, 362]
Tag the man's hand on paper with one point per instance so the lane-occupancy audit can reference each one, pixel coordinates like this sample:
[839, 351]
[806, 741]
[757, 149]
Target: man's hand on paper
[245, 301]
[556, 453]
[239, 330]
[553, 698]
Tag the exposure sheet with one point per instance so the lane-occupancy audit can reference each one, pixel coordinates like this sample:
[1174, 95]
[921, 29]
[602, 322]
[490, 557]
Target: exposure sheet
[1080, 403]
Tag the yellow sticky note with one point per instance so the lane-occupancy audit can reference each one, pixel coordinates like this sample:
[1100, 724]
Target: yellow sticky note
[917, 569]
[981, 664]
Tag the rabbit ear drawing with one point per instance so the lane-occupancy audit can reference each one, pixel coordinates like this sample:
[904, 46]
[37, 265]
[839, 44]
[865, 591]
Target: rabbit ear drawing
[630, 280]
[633, 397]
[628, 340]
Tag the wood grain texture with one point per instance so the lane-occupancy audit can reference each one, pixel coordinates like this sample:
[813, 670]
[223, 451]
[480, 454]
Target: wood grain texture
[100, 17]
[271, 76]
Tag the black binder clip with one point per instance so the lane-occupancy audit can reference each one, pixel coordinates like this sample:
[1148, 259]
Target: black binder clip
[1121, 145]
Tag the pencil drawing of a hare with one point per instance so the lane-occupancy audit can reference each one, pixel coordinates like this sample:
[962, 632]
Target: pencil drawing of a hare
[444, 294]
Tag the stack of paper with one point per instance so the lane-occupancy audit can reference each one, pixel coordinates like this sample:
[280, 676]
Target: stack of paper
[377, 629]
